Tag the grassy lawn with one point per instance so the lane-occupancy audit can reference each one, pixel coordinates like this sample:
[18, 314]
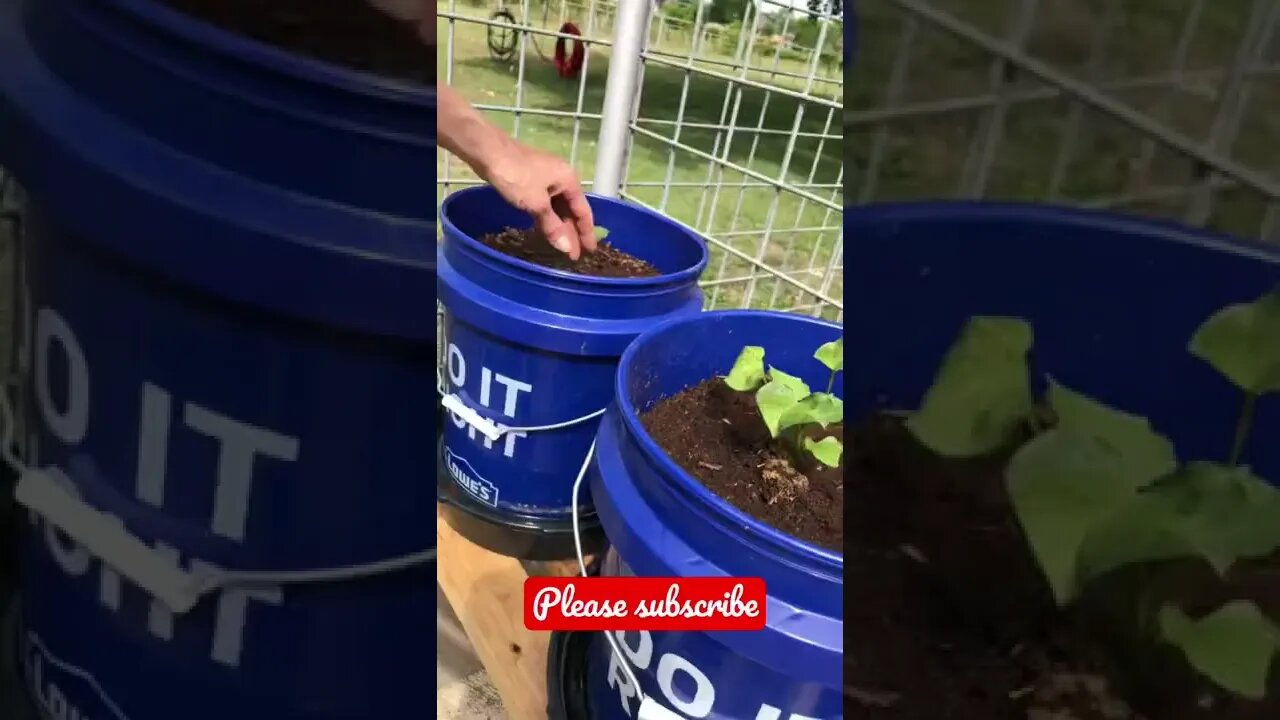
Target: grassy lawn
[925, 156]
[708, 197]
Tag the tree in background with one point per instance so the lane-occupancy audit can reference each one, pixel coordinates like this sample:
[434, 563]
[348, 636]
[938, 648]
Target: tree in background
[681, 10]
[728, 12]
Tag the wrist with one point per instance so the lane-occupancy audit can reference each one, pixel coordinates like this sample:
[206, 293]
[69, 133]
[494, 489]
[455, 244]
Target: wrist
[465, 133]
[487, 148]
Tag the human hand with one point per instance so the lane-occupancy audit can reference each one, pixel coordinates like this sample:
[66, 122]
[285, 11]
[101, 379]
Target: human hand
[547, 188]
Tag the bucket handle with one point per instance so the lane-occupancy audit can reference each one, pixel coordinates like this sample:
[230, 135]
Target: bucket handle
[107, 539]
[493, 431]
[650, 707]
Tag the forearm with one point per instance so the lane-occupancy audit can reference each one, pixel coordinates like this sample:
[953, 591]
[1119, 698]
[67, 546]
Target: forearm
[463, 131]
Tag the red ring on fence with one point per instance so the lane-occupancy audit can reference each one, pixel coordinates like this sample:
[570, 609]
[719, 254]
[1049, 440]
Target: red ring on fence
[570, 66]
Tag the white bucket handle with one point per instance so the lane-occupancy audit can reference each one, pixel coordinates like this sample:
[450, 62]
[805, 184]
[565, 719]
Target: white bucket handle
[107, 539]
[650, 708]
[493, 431]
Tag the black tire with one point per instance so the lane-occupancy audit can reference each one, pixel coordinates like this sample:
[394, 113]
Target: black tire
[502, 40]
[567, 669]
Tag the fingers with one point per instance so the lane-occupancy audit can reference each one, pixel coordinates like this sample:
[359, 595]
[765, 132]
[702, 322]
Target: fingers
[560, 234]
[579, 212]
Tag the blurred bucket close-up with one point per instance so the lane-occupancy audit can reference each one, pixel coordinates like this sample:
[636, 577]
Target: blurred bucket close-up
[225, 384]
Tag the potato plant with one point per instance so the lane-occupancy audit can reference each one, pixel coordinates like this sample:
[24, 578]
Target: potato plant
[786, 403]
[1096, 488]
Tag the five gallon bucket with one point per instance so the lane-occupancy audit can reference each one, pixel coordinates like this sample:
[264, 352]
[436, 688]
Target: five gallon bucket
[535, 350]
[1113, 300]
[662, 522]
[850, 33]
[229, 351]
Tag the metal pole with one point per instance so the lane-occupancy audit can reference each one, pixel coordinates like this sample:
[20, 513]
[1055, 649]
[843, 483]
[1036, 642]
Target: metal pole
[619, 94]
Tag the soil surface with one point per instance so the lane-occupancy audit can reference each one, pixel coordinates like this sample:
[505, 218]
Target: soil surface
[351, 33]
[606, 261]
[717, 435]
[954, 621]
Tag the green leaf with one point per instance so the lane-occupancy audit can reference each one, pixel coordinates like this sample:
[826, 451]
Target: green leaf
[1241, 342]
[1145, 454]
[1062, 484]
[1232, 646]
[777, 396]
[748, 369]
[982, 393]
[828, 450]
[832, 355]
[602, 232]
[1219, 513]
[819, 409]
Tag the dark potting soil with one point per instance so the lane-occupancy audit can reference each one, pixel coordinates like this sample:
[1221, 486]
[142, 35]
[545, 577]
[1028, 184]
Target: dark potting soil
[607, 260]
[953, 619]
[351, 33]
[717, 435]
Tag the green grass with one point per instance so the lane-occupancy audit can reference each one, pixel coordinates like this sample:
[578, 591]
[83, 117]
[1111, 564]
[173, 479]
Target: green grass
[693, 199]
[925, 157]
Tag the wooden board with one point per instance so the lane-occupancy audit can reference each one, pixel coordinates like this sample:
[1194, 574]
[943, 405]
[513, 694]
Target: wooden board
[486, 591]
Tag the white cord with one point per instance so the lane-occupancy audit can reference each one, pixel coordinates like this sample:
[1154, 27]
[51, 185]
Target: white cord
[577, 485]
[582, 567]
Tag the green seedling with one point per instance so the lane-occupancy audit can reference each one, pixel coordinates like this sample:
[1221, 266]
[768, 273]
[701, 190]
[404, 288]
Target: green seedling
[1240, 341]
[984, 384]
[786, 402]
[748, 370]
[1231, 646]
[1098, 489]
[828, 450]
[832, 355]
[601, 232]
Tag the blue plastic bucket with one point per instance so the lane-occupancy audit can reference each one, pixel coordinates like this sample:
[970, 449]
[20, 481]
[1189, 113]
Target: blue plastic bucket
[850, 33]
[661, 522]
[229, 348]
[1113, 299]
[530, 347]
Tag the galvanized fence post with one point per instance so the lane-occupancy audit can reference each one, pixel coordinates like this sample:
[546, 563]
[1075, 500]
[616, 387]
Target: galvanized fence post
[629, 32]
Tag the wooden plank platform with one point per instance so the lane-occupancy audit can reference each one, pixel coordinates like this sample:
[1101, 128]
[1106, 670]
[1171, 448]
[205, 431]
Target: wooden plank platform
[486, 591]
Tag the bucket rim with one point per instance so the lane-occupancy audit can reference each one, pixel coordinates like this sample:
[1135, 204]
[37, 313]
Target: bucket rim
[692, 272]
[686, 483]
[1152, 228]
[213, 38]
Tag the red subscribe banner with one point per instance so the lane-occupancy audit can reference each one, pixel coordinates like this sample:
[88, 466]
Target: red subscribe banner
[635, 603]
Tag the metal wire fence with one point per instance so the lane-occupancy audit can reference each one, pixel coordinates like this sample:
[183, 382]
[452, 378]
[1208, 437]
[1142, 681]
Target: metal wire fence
[732, 129]
[1156, 107]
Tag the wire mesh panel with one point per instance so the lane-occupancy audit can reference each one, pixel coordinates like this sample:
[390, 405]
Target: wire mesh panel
[734, 130]
[1157, 107]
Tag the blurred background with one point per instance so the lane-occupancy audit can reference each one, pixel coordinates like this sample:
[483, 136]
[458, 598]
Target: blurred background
[1159, 107]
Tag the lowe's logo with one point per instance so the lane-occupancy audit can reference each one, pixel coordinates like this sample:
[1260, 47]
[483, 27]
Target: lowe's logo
[470, 480]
